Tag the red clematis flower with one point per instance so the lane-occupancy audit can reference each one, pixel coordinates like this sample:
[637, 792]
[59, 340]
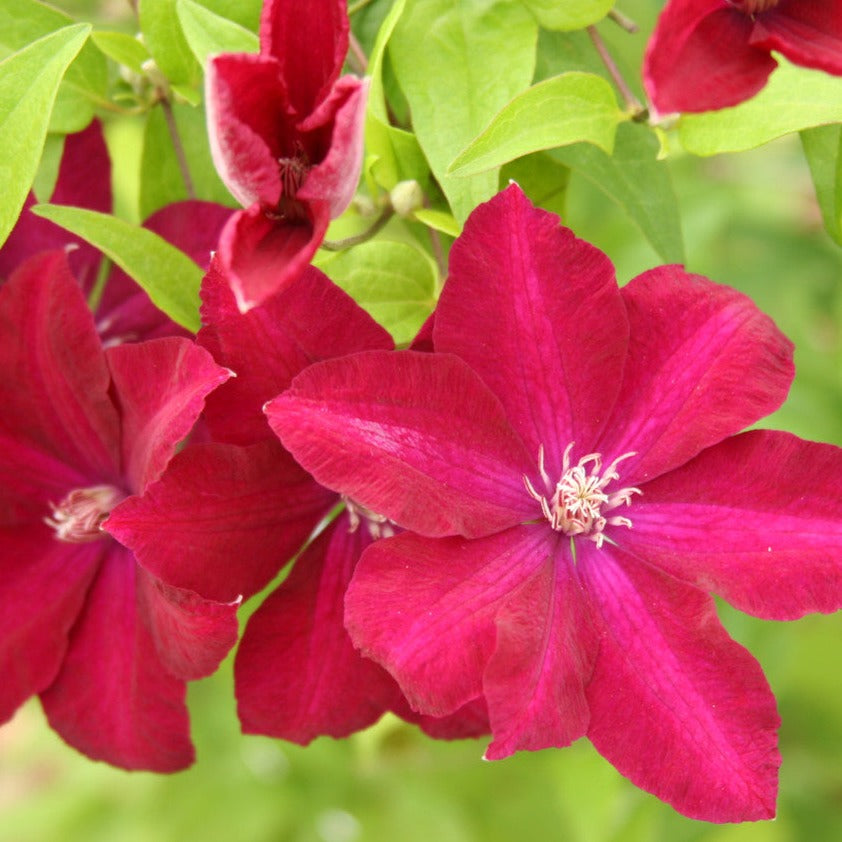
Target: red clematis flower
[286, 137]
[297, 674]
[106, 644]
[569, 463]
[709, 54]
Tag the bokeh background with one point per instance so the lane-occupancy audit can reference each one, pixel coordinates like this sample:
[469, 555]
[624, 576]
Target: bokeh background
[751, 221]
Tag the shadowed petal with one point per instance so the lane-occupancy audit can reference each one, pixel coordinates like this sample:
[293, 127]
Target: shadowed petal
[537, 314]
[756, 519]
[310, 41]
[425, 609]
[413, 436]
[53, 375]
[222, 520]
[469, 721]
[546, 646]
[113, 700]
[807, 33]
[160, 387]
[699, 58]
[297, 673]
[41, 592]
[676, 705]
[703, 364]
[267, 346]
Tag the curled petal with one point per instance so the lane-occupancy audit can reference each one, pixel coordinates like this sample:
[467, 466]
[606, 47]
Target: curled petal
[809, 34]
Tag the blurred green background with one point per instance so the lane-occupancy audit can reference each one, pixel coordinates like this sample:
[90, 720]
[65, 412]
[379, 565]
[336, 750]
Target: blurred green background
[750, 221]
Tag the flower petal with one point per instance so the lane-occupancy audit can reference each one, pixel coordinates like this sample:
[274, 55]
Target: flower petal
[425, 609]
[699, 58]
[677, 706]
[160, 386]
[310, 40]
[537, 314]
[271, 343]
[296, 659]
[755, 519]
[41, 593]
[469, 721]
[222, 520]
[261, 254]
[53, 375]
[535, 681]
[807, 33]
[412, 436]
[703, 364]
[113, 700]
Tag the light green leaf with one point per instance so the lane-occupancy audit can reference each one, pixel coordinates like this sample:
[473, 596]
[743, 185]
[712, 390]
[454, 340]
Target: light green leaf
[542, 178]
[122, 48]
[208, 33]
[568, 14]
[637, 182]
[566, 109]
[438, 221]
[394, 282]
[472, 59]
[29, 82]
[244, 12]
[823, 150]
[166, 42]
[170, 277]
[794, 99]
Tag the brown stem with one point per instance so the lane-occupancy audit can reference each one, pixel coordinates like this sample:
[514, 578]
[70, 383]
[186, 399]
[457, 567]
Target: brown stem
[356, 54]
[623, 21]
[179, 149]
[363, 236]
[632, 102]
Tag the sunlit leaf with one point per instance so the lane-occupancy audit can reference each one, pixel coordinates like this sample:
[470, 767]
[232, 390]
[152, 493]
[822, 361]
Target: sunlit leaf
[165, 40]
[208, 33]
[823, 150]
[568, 14]
[122, 48]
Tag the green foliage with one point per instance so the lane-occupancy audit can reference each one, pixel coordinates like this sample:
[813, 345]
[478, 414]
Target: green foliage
[566, 109]
[122, 48]
[166, 42]
[568, 14]
[458, 76]
[823, 150]
[170, 278]
[29, 82]
[208, 33]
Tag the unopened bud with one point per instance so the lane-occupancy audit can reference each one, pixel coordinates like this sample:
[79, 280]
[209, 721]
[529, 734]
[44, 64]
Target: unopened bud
[406, 197]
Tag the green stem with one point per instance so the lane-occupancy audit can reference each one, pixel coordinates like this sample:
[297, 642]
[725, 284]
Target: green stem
[349, 242]
[172, 127]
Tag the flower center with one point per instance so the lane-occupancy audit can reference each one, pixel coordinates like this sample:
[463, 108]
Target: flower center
[754, 7]
[576, 504]
[78, 517]
[379, 526]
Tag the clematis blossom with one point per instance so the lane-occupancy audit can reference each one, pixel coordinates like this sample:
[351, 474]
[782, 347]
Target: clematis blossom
[710, 54]
[106, 644]
[570, 467]
[286, 137]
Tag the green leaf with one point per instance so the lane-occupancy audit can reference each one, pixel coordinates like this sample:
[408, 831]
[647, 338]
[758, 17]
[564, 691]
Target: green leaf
[472, 59]
[29, 82]
[208, 33]
[566, 109]
[542, 178]
[823, 150]
[166, 42]
[438, 221]
[568, 14]
[170, 277]
[394, 282]
[637, 182]
[122, 48]
[244, 12]
[794, 99]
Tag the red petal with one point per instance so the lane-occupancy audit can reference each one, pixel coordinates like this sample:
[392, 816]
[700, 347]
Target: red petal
[676, 705]
[535, 681]
[413, 436]
[41, 592]
[549, 337]
[703, 364]
[53, 374]
[425, 609]
[310, 40]
[470, 720]
[699, 58]
[262, 253]
[222, 520]
[160, 386]
[754, 519]
[806, 32]
[113, 699]
[297, 674]
[271, 343]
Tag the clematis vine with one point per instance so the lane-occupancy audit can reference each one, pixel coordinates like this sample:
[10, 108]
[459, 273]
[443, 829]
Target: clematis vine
[286, 138]
[106, 644]
[295, 660]
[710, 54]
[570, 465]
